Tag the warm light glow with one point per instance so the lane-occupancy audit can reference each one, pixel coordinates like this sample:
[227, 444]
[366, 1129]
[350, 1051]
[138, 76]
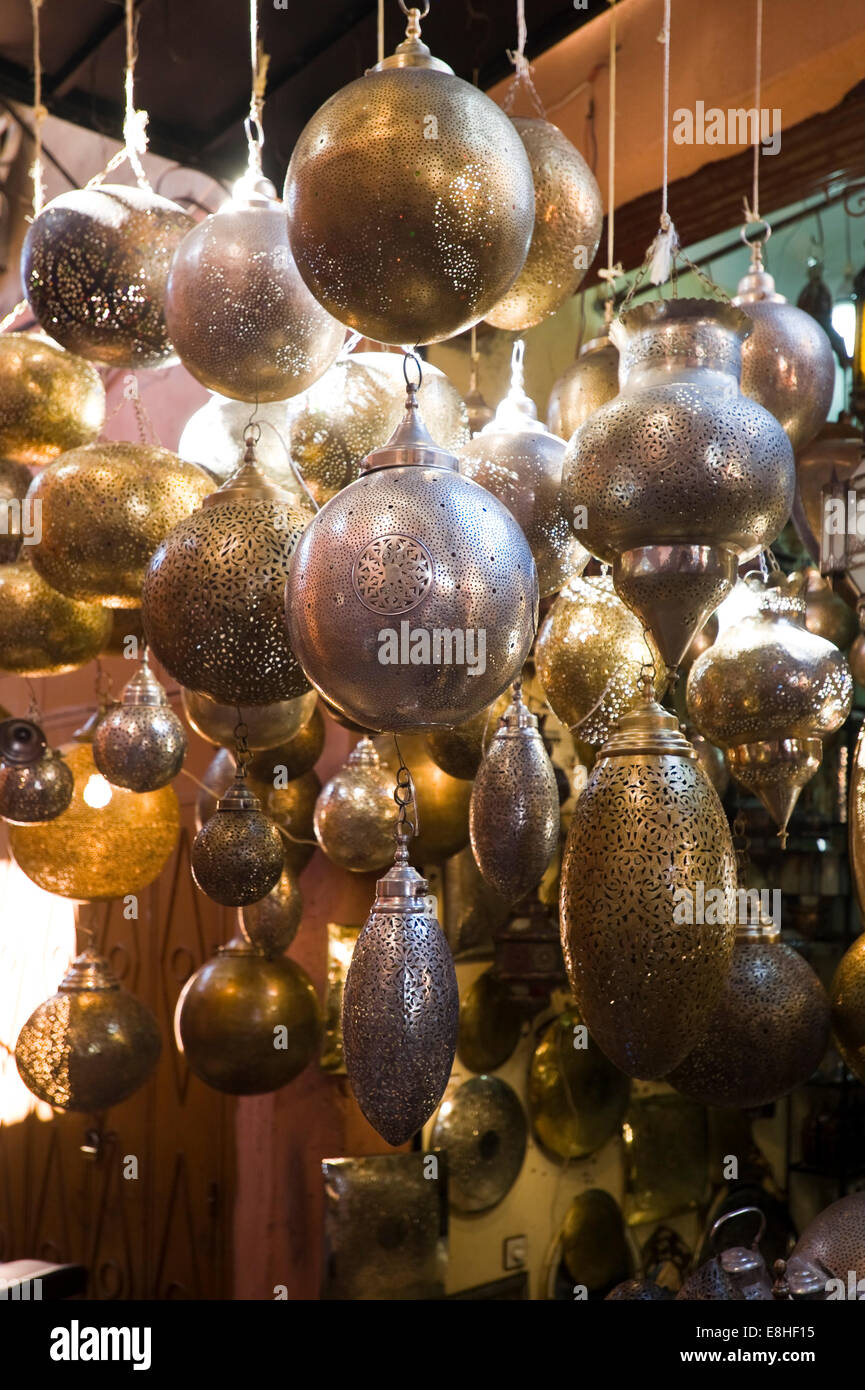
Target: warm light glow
[97, 793]
[844, 322]
[37, 942]
[741, 603]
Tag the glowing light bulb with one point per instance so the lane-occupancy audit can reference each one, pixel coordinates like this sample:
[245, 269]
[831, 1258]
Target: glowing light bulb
[97, 792]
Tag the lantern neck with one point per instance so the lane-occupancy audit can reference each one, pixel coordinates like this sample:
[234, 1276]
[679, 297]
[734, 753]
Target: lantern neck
[690, 339]
[410, 444]
[402, 887]
[648, 729]
[248, 484]
[757, 286]
[364, 754]
[762, 933]
[412, 52]
[144, 688]
[88, 971]
[238, 797]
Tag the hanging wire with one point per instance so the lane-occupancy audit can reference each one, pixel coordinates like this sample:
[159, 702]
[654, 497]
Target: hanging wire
[380, 32]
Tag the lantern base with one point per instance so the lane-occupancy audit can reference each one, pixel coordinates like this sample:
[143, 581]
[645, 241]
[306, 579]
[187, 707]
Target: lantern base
[776, 770]
[675, 589]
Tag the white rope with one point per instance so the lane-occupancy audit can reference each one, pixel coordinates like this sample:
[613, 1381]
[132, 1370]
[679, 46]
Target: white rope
[666, 243]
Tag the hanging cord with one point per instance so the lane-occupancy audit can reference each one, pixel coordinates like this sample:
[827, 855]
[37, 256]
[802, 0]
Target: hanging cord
[613, 270]
[380, 32]
[259, 62]
[756, 231]
[37, 168]
[664, 254]
[134, 122]
[37, 171]
[522, 68]
[752, 213]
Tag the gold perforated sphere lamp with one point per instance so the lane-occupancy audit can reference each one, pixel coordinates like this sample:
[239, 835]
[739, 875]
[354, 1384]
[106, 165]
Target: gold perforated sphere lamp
[42, 632]
[589, 382]
[267, 726]
[50, 400]
[109, 842]
[94, 267]
[105, 508]
[237, 856]
[410, 200]
[212, 595]
[768, 1032]
[589, 658]
[568, 219]
[355, 814]
[412, 599]
[355, 408]
[91, 1045]
[140, 743]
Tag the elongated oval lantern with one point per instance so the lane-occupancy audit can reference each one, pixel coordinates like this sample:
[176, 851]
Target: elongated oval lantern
[400, 1008]
[649, 847]
[514, 811]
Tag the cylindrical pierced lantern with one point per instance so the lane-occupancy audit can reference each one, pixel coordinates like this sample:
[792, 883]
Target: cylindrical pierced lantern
[400, 1008]
[648, 836]
[514, 814]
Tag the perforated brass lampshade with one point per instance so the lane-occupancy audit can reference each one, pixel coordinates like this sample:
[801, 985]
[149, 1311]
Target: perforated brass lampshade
[241, 319]
[568, 218]
[94, 266]
[355, 408]
[212, 595]
[50, 400]
[42, 632]
[108, 843]
[648, 827]
[91, 1044]
[246, 1024]
[410, 200]
[105, 509]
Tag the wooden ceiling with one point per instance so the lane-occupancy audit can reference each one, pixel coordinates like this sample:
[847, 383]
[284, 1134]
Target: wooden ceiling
[193, 65]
